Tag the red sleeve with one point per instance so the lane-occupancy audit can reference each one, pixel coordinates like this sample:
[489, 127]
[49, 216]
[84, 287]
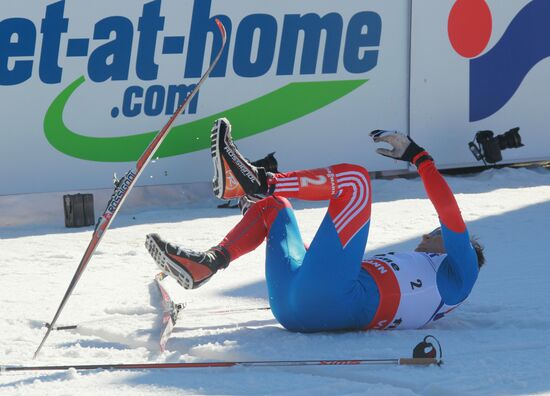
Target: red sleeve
[441, 196]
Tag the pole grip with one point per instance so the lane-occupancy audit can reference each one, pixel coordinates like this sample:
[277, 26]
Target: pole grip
[419, 361]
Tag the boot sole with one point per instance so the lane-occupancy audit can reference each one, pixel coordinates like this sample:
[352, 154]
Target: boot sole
[219, 171]
[181, 276]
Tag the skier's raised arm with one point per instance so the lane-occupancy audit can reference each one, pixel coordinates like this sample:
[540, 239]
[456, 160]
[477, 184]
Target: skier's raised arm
[458, 273]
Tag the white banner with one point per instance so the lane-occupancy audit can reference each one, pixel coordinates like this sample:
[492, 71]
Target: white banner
[480, 65]
[85, 85]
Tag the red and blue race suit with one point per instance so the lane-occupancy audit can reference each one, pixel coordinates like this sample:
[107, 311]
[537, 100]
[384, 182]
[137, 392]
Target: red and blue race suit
[331, 285]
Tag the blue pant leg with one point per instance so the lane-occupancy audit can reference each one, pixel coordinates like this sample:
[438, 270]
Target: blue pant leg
[325, 288]
[284, 255]
[328, 293]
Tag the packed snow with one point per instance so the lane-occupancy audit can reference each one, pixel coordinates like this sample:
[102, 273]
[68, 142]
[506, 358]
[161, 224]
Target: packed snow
[496, 343]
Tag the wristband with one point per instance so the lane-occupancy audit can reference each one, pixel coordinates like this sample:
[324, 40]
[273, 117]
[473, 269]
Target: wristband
[421, 157]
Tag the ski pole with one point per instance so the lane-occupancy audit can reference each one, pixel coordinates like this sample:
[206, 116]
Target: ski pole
[424, 354]
[265, 363]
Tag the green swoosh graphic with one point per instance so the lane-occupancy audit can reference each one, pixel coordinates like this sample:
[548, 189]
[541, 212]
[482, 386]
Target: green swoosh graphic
[276, 108]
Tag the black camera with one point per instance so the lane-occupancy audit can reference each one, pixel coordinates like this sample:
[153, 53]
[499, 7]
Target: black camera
[489, 147]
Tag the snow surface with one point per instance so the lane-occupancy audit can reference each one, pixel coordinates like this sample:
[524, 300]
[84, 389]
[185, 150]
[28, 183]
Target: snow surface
[496, 343]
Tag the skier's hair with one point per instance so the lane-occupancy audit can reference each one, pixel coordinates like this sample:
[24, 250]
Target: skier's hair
[479, 251]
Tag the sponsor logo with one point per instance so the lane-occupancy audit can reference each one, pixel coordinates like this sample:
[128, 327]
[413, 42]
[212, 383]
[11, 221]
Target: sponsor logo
[377, 265]
[496, 74]
[121, 49]
[232, 183]
[339, 362]
[242, 167]
[120, 191]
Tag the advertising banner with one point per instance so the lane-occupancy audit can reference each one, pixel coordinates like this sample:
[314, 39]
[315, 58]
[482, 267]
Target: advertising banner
[85, 86]
[481, 66]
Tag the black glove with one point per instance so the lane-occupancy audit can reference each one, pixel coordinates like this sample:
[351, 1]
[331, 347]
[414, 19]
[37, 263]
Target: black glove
[403, 148]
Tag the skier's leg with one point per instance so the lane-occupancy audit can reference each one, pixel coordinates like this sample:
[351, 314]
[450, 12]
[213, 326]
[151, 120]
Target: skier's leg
[253, 228]
[320, 289]
[326, 293]
[272, 217]
[330, 283]
[284, 255]
[193, 268]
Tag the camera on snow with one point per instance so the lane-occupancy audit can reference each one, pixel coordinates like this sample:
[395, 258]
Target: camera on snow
[489, 147]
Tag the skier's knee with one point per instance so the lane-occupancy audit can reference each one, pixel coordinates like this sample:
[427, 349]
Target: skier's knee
[352, 169]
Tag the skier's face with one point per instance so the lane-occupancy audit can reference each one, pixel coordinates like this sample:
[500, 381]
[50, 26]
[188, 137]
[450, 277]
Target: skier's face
[431, 242]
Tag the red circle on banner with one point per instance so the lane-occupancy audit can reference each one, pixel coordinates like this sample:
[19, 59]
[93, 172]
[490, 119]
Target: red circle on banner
[470, 26]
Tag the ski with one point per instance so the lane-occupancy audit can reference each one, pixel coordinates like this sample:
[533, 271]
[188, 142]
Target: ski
[170, 312]
[124, 186]
[182, 306]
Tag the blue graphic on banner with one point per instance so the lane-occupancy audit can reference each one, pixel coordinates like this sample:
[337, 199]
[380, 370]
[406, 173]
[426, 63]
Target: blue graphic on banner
[496, 75]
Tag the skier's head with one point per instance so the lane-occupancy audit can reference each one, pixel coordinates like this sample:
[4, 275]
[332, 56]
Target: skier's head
[432, 242]
[479, 251]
